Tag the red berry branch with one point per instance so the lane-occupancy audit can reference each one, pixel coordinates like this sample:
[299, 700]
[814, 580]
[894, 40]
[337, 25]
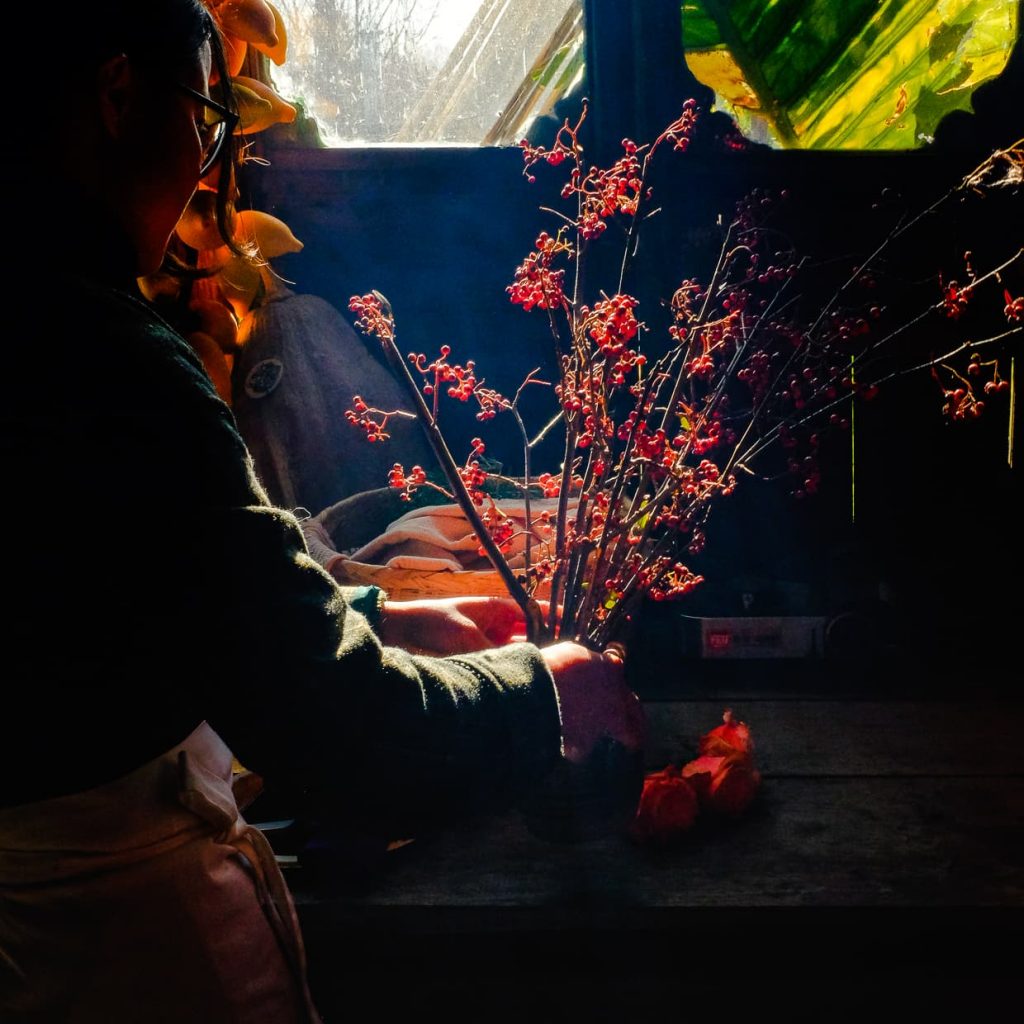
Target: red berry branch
[375, 318]
[656, 432]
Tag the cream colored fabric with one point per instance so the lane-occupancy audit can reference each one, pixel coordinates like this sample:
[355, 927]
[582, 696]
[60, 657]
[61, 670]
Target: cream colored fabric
[440, 537]
[148, 899]
[319, 542]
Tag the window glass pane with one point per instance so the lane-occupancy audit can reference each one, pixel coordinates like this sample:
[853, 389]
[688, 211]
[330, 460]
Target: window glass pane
[846, 74]
[457, 71]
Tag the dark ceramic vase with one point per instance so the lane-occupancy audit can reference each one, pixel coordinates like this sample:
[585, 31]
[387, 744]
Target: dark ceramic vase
[579, 802]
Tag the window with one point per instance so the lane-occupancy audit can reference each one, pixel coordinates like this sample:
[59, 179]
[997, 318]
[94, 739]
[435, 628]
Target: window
[429, 71]
[810, 74]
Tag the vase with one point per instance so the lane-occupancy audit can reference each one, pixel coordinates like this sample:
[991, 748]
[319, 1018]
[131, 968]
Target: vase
[597, 798]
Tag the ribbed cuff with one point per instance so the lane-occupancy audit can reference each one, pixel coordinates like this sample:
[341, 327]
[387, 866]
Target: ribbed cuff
[369, 602]
[529, 703]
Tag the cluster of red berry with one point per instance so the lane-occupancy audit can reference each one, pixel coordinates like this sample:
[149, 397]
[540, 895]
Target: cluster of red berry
[955, 299]
[605, 192]
[756, 374]
[557, 154]
[371, 316]
[681, 130]
[959, 399]
[536, 282]
[462, 383]
[362, 416]
[407, 483]
[612, 324]
[666, 579]
[461, 379]
[550, 485]
[499, 525]
[755, 206]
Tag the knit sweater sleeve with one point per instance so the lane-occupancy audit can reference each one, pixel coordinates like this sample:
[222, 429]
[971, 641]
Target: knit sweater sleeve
[303, 687]
[211, 602]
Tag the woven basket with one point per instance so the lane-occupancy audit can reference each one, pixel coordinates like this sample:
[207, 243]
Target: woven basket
[356, 520]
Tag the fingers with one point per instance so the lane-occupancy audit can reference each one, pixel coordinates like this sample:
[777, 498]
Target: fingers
[594, 700]
[630, 724]
[436, 628]
[636, 724]
[459, 634]
[616, 651]
[465, 642]
[499, 636]
[498, 619]
[508, 619]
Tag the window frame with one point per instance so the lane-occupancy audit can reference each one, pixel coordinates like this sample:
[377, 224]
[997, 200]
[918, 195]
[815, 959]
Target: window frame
[636, 77]
[619, 40]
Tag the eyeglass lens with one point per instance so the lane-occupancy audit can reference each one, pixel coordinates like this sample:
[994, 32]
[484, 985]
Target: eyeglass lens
[212, 136]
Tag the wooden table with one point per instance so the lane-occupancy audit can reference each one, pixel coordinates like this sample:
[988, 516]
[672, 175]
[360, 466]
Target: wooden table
[885, 846]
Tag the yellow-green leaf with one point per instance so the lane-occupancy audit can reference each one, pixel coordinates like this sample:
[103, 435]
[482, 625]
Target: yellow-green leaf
[861, 74]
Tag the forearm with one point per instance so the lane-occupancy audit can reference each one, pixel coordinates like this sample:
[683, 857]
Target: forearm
[382, 736]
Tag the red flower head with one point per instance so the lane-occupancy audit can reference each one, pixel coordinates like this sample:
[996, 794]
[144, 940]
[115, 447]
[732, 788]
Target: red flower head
[667, 809]
[724, 785]
[731, 737]
[724, 776]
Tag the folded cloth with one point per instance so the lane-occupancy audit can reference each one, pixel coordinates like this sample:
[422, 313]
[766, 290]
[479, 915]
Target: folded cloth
[440, 537]
[319, 543]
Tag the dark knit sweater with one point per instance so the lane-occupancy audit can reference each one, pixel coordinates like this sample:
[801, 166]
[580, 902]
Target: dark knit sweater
[151, 585]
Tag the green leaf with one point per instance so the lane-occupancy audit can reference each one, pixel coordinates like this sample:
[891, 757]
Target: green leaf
[860, 74]
[943, 44]
[570, 70]
[699, 29]
[546, 75]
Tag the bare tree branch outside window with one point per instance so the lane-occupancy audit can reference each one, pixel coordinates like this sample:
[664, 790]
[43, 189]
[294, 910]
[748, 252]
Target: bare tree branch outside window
[415, 71]
[359, 65]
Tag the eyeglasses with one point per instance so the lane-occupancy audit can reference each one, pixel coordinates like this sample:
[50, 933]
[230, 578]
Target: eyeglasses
[218, 124]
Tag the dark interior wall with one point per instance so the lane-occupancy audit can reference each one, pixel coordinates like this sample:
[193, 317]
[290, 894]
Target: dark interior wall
[440, 232]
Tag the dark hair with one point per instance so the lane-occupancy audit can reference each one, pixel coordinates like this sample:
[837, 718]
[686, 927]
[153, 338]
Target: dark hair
[160, 37]
[159, 34]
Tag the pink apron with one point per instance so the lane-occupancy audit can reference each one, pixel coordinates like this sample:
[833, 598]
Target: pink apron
[149, 900]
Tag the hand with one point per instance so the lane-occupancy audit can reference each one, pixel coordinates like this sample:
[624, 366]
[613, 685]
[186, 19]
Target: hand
[451, 625]
[594, 700]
